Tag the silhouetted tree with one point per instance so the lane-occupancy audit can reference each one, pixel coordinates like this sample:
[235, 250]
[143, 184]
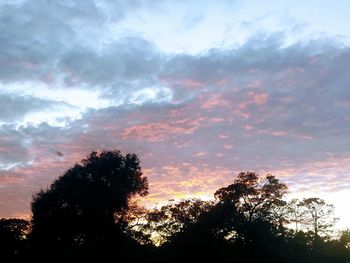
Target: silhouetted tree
[252, 215]
[13, 234]
[344, 245]
[344, 238]
[317, 216]
[186, 231]
[91, 214]
[134, 221]
[253, 197]
[295, 213]
[167, 222]
[79, 212]
[242, 224]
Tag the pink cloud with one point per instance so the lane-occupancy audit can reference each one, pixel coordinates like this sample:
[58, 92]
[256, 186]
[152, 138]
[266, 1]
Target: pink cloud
[223, 136]
[279, 133]
[158, 131]
[215, 100]
[260, 99]
[200, 154]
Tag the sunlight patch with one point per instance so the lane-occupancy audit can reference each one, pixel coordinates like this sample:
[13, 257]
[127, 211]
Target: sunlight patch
[151, 94]
[77, 97]
[8, 166]
[69, 104]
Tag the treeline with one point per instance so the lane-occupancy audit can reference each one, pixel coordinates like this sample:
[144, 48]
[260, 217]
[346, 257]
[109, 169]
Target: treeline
[89, 215]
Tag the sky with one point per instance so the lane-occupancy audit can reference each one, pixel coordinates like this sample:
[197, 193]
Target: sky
[200, 90]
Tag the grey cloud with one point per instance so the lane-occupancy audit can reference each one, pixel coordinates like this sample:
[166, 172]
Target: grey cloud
[260, 54]
[13, 147]
[128, 60]
[311, 112]
[316, 88]
[301, 114]
[35, 34]
[14, 107]
[303, 120]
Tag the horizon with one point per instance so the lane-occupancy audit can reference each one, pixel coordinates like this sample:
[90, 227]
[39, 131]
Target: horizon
[198, 90]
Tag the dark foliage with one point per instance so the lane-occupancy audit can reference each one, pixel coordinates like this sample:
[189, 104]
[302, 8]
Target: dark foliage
[78, 215]
[12, 238]
[89, 215]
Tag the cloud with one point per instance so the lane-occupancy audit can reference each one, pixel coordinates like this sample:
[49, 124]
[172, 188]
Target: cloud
[125, 61]
[14, 107]
[196, 119]
[13, 148]
[60, 47]
[155, 132]
[263, 117]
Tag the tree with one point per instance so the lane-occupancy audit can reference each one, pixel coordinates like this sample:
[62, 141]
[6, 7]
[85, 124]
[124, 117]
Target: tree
[344, 238]
[134, 221]
[13, 233]
[254, 198]
[186, 231]
[80, 209]
[295, 213]
[318, 216]
[165, 223]
[249, 215]
[344, 245]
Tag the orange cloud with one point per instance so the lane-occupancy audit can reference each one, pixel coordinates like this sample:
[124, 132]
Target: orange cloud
[157, 131]
[260, 99]
[180, 182]
[215, 100]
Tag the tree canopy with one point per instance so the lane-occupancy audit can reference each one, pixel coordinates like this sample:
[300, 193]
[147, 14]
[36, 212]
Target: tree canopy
[12, 236]
[90, 214]
[80, 208]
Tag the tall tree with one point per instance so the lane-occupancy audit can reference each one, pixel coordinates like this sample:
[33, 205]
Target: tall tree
[254, 197]
[295, 213]
[80, 209]
[318, 216]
